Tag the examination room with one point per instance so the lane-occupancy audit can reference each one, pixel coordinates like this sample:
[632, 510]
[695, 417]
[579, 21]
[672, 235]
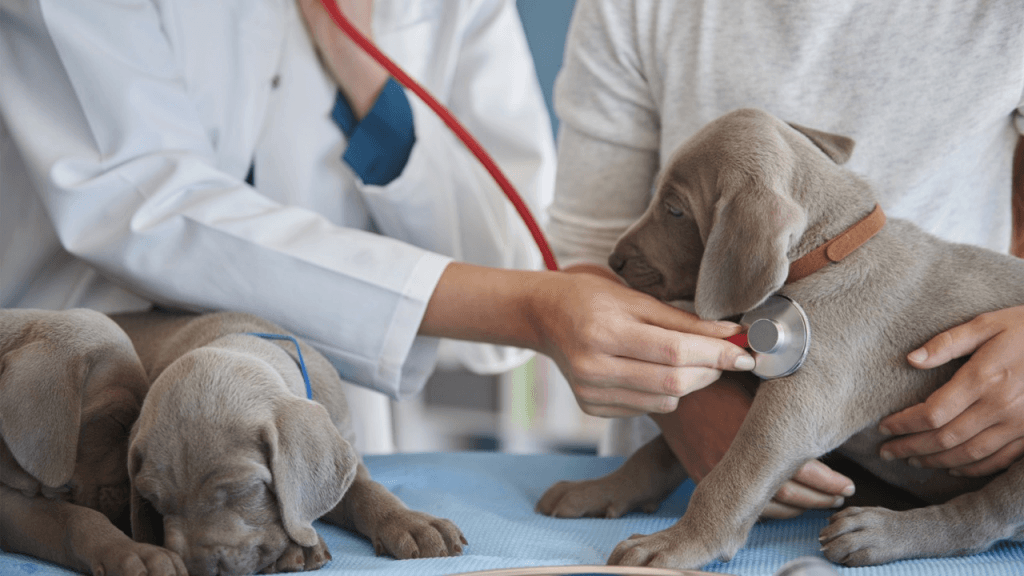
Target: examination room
[512, 287]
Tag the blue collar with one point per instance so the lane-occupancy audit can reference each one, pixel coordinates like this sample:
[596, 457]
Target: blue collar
[302, 363]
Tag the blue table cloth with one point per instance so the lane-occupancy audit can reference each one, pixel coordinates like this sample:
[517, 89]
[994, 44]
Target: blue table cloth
[491, 497]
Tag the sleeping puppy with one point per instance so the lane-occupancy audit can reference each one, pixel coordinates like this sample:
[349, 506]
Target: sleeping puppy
[70, 388]
[736, 205]
[231, 464]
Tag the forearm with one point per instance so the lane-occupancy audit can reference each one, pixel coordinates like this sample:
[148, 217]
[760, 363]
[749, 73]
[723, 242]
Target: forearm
[485, 305]
[701, 429]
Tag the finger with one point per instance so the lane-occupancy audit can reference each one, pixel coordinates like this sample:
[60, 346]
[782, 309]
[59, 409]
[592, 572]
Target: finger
[795, 494]
[997, 462]
[953, 343]
[778, 511]
[958, 437]
[818, 476]
[671, 318]
[939, 409]
[671, 348]
[975, 448]
[607, 374]
[637, 386]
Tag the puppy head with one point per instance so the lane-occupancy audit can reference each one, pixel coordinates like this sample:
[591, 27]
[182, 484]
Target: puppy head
[70, 387]
[727, 209]
[227, 467]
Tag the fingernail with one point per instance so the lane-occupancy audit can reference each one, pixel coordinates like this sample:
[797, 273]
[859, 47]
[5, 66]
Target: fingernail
[887, 456]
[885, 430]
[849, 490]
[727, 325]
[919, 355]
[745, 362]
[914, 462]
[838, 502]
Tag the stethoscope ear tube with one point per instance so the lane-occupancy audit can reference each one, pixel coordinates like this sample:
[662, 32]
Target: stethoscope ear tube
[779, 335]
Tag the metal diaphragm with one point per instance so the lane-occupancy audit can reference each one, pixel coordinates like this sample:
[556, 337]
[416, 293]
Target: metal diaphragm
[779, 334]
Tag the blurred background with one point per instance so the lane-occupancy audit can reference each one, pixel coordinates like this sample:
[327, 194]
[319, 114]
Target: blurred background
[530, 409]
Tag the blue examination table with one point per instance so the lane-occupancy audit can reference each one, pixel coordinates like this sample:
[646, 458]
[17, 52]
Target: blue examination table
[491, 497]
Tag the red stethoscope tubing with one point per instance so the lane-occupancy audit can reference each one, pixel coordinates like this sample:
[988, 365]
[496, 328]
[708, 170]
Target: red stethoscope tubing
[456, 127]
[472, 143]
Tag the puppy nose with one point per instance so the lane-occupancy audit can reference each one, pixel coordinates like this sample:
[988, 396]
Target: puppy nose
[617, 261]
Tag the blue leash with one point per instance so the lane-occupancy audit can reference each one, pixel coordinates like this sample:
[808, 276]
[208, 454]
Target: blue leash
[302, 363]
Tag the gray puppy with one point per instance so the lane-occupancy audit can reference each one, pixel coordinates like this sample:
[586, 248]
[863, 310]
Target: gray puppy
[738, 202]
[230, 463]
[70, 389]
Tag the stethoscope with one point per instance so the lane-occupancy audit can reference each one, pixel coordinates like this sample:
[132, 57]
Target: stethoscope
[779, 334]
[777, 331]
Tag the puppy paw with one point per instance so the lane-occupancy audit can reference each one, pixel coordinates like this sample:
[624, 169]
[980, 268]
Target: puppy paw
[600, 498]
[412, 534]
[666, 549]
[137, 559]
[296, 558]
[863, 537]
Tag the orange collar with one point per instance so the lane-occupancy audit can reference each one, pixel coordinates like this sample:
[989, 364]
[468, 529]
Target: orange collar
[839, 247]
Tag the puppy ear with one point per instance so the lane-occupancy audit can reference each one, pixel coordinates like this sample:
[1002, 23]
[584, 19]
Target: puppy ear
[40, 410]
[311, 463]
[745, 256]
[838, 148]
[147, 523]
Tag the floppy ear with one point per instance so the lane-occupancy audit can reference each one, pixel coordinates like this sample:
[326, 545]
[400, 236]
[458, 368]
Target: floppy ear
[40, 410]
[838, 148]
[147, 523]
[745, 256]
[311, 463]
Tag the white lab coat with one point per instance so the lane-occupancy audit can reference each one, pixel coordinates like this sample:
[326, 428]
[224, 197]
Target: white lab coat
[128, 127]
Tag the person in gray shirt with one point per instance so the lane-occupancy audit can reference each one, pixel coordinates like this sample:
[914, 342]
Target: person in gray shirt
[933, 94]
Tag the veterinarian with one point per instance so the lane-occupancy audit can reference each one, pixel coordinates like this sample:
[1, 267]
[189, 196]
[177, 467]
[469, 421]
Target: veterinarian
[243, 155]
[935, 106]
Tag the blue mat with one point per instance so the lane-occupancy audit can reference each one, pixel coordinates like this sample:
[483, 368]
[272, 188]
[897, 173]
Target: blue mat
[491, 497]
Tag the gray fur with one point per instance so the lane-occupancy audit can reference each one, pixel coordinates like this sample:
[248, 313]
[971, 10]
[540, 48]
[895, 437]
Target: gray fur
[70, 387]
[230, 464]
[754, 195]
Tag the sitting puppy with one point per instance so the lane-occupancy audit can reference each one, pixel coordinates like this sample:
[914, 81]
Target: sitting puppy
[230, 463]
[742, 199]
[70, 388]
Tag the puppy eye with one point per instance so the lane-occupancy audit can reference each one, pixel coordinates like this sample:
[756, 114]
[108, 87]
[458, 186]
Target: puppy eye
[673, 211]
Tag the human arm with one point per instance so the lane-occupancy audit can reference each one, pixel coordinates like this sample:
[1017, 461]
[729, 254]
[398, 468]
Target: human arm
[622, 351]
[973, 424]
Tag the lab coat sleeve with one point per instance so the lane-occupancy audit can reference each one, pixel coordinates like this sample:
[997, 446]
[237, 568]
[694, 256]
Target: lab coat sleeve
[128, 176]
[444, 199]
[609, 135]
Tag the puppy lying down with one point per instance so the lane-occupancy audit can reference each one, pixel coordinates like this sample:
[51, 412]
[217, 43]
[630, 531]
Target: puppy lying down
[230, 463]
[70, 388]
[736, 206]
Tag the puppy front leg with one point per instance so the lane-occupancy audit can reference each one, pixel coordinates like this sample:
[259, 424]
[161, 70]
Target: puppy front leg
[369, 509]
[967, 524]
[80, 538]
[785, 427]
[643, 481]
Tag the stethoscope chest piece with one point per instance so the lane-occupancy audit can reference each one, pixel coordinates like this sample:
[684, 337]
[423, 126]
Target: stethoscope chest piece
[779, 335]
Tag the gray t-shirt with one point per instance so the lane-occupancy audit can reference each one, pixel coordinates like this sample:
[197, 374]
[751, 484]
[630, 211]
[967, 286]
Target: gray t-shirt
[932, 92]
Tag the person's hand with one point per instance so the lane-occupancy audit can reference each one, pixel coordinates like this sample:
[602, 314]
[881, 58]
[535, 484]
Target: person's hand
[359, 77]
[974, 424]
[703, 426]
[624, 352]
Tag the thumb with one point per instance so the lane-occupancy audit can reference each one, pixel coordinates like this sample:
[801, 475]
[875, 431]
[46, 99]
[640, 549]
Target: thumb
[953, 343]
